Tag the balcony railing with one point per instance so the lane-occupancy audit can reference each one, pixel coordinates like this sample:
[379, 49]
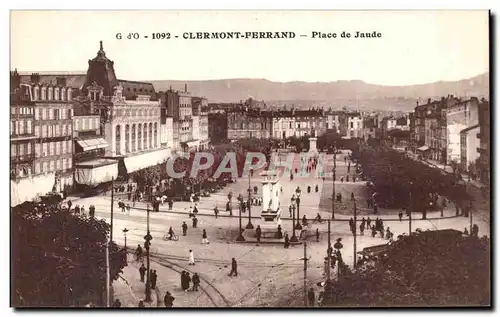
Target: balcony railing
[22, 158]
[23, 135]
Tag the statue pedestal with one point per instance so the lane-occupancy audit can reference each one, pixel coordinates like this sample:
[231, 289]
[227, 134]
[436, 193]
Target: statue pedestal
[312, 145]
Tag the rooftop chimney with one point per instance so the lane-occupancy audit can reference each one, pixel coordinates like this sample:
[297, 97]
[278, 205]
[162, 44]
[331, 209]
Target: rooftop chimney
[186, 87]
[35, 78]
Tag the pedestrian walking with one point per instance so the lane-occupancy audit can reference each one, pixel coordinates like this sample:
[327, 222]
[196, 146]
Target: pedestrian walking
[374, 231]
[362, 229]
[69, 204]
[196, 282]
[216, 212]
[153, 279]
[317, 235]
[368, 222]
[258, 233]
[290, 210]
[287, 241]
[310, 296]
[234, 267]
[316, 188]
[308, 189]
[400, 215]
[168, 300]
[184, 228]
[142, 272]
[195, 222]
[204, 239]
[188, 281]
[191, 257]
[183, 281]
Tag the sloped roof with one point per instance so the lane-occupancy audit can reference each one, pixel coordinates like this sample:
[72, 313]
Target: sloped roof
[75, 80]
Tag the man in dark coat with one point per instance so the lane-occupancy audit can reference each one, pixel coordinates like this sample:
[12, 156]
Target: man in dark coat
[168, 300]
[142, 272]
[310, 296]
[196, 282]
[184, 228]
[234, 267]
[287, 241]
[195, 222]
[258, 233]
[154, 278]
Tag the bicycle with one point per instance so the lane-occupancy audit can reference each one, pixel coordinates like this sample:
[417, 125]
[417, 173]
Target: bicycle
[318, 221]
[167, 237]
[138, 258]
[307, 224]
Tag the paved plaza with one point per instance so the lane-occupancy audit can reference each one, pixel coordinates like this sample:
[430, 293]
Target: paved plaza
[267, 272]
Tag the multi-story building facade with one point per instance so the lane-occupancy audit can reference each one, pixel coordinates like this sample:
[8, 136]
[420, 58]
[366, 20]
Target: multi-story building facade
[336, 121]
[459, 116]
[217, 127]
[200, 109]
[354, 125]
[54, 129]
[179, 107]
[129, 113]
[248, 123]
[469, 143]
[483, 163]
[22, 133]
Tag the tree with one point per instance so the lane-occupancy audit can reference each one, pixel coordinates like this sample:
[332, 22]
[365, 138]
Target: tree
[431, 268]
[59, 258]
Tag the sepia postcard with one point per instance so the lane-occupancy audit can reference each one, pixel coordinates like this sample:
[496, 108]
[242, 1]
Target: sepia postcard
[261, 159]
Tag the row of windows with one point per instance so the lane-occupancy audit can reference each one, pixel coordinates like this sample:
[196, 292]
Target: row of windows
[137, 112]
[54, 165]
[21, 127]
[53, 148]
[22, 110]
[140, 90]
[54, 130]
[53, 114]
[86, 124]
[51, 93]
[20, 149]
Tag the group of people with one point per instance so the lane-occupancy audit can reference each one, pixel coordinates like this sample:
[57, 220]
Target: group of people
[186, 280]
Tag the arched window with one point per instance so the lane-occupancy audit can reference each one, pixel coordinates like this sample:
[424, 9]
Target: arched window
[56, 93]
[150, 135]
[145, 135]
[155, 134]
[139, 137]
[133, 138]
[44, 93]
[127, 138]
[36, 93]
[50, 94]
[63, 93]
[117, 140]
[69, 92]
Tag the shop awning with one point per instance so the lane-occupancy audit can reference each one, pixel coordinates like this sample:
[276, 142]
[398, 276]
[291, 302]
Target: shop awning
[95, 172]
[92, 144]
[423, 148]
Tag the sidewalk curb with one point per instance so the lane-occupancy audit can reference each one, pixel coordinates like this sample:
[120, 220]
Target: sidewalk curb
[288, 218]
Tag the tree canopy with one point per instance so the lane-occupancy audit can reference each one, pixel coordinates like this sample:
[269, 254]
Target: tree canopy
[424, 269]
[59, 258]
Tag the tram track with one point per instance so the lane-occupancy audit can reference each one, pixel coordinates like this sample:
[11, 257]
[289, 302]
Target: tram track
[165, 261]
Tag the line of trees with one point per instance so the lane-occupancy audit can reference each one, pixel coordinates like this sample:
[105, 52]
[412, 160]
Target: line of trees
[59, 259]
[424, 269]
[401, 181]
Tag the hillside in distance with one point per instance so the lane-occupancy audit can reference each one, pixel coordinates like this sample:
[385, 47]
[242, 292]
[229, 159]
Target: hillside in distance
[329, 93]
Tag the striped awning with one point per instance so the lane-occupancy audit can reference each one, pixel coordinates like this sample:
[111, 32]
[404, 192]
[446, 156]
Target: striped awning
[92, 144]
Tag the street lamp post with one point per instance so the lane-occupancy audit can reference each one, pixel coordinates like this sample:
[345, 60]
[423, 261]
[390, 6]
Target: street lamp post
[125, 230]
[294, 237]
[297, 201]
[147, 243]
[240, 237]
[333, 182]
[249, 225]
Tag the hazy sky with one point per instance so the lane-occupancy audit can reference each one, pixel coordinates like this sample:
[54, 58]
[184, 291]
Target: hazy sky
[416, 47]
